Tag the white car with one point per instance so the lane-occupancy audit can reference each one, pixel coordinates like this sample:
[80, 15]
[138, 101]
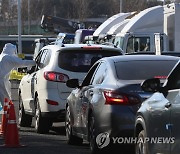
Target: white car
[43, 91]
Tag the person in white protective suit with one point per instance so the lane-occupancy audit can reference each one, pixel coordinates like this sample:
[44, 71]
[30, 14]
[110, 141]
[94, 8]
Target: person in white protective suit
[9, 61]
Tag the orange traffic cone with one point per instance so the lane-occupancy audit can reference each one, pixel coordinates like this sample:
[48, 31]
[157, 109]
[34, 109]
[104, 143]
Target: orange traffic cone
[12, 136]
[4, 118]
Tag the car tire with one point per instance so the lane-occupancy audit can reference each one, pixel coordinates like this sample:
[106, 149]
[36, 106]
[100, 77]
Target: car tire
[141, 147]
[92, 137]
[24, 120]
[42, 124]
[71, 139]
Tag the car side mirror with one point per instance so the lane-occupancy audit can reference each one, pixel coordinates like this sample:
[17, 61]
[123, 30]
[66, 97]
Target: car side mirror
[31, 70]
[151, 85]
[22, 70]
[72, 83]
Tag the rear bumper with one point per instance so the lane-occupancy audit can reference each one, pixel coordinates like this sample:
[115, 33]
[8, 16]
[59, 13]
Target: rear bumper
[55, 112]
[118, 121]
[53, 95]
[56, 116]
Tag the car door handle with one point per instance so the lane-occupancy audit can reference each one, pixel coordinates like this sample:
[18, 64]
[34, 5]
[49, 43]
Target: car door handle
[80, 96]
[35, 78]
[91, 93]
[169, 126]
[168, 105]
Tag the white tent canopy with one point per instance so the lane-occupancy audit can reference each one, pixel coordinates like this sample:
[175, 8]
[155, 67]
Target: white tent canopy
[150, 19]
[105, 26]
[118, 27]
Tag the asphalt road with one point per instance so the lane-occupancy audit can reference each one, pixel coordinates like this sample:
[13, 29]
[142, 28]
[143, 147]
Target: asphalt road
[52, 143]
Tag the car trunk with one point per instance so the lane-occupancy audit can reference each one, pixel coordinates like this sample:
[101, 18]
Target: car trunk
[133, 88]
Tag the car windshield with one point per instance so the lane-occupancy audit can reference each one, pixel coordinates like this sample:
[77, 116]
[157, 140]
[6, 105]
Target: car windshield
[82, 60]
[140, 70]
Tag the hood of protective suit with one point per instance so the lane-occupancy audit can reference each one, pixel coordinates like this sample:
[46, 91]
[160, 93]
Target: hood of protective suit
[10, 49]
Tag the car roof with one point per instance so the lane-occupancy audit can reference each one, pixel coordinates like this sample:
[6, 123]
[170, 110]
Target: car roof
[44, 38]
[80, 46]
[140, 58]
[89, 45]
[83, 30]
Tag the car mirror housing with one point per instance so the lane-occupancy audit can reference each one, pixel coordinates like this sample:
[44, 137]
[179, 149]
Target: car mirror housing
[31, 70]
[151, 85]
[22, 70]
[72, 83]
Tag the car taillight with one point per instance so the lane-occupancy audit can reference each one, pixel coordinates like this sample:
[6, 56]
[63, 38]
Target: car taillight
[56, 76]
[160, 77]
[115, 98]
[51, 102]
[91, 47]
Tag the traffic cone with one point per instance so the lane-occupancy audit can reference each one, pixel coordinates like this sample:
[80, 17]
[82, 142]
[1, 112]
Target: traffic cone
[4, 118]
[12, 136]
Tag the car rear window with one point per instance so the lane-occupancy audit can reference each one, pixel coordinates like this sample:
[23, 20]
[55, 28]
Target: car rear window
[140, 70]
[82, 60]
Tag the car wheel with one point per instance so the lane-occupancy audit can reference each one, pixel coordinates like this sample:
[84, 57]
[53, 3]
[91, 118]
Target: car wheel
[24, 120]
[71, 139]
[42, 124]
[141, 146]
[92, 137]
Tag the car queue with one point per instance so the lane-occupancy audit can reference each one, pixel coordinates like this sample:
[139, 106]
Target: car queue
[93, 88]
[103, 94]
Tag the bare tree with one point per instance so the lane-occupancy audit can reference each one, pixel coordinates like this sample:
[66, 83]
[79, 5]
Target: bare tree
[8, 16]
[81, 8]
[69, 9]
[134, 5]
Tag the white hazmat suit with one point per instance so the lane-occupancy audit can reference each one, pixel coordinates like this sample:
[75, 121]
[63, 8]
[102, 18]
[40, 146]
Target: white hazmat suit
[9, 61]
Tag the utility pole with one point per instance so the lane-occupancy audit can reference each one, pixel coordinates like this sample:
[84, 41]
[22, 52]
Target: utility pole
[121, 6]
[28, 16]
[19, 28]
[55, 12]
[9, 16]
[164, 2]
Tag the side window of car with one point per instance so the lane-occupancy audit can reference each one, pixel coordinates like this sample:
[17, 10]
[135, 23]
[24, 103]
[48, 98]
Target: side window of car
[43, 57]
[100, 74]
[47, 58]
[38, 59]
[89, 75]
[174, 79]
